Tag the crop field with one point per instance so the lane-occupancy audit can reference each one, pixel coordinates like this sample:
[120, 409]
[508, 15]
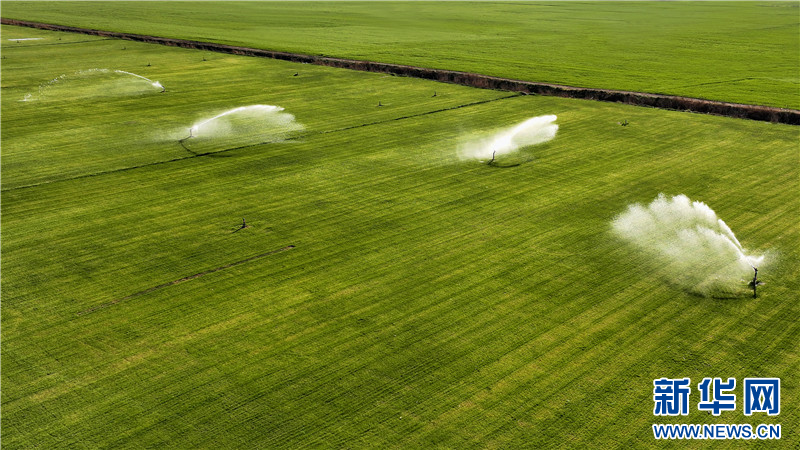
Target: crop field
[741, 52]
[387, 292]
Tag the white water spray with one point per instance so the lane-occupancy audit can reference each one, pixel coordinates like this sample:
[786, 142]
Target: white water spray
[691, 245]
[244, 125]
[535, 130]
[208, 124]
[94, 83]
[155, 84]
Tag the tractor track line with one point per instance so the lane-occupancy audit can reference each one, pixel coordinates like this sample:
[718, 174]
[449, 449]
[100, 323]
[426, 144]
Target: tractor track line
[670, 102]
[184, 279]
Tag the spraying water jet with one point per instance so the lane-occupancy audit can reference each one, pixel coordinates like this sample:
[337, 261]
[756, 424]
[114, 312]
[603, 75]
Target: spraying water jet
[95, 83]
[243, 125]
[535, 130]
[689, 245]
[155, 84]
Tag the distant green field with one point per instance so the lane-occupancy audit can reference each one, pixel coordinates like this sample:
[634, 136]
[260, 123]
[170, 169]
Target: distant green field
[428, 302]
[743, 52]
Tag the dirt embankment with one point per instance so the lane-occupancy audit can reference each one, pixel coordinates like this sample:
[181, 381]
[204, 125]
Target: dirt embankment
[753, 112]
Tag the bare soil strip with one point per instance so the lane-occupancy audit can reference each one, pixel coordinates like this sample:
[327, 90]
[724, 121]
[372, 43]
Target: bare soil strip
[753, 112]
[181, 280]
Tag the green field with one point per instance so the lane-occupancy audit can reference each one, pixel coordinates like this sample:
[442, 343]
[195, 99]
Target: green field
[428, 301]
[744, 52]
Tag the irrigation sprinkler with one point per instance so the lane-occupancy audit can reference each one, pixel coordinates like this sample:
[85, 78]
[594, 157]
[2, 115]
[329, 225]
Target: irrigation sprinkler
[755, 283]
[181, 141]
[242, 227]
[191, 130]
[492, 160]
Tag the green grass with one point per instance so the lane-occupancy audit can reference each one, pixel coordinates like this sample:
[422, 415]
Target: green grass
[428, 301]
[744, 52]
[120, 140]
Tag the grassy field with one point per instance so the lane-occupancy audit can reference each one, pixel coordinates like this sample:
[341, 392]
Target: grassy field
[743, 52]
[427, 301]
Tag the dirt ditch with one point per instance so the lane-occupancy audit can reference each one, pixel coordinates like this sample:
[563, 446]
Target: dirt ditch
[671, 102]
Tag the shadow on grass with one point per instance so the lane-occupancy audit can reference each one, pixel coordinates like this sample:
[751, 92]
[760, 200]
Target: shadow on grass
[743, 295]
[504, 166]
[225, 153]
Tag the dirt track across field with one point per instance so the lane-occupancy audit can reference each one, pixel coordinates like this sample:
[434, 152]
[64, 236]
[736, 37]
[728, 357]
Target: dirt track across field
[753, 112]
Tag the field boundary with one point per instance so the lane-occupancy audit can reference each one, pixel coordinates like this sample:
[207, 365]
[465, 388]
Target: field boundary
[184, 279]
[661, 101]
